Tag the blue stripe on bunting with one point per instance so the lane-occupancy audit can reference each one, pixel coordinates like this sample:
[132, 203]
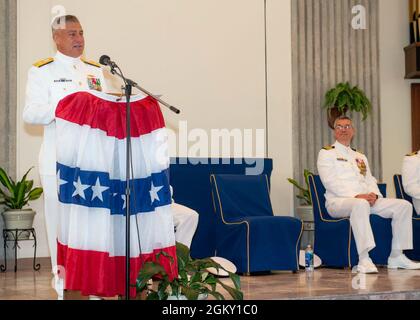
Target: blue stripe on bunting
[96, 190]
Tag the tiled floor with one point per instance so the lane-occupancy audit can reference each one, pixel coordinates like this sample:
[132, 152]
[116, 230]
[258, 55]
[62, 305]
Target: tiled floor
[27, 284]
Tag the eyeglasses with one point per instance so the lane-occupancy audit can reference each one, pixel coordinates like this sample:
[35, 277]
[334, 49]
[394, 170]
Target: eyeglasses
[346, 127]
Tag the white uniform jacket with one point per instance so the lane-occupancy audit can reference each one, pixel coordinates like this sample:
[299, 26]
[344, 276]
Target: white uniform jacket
[345, 173]
[49, 81]
[411, 178]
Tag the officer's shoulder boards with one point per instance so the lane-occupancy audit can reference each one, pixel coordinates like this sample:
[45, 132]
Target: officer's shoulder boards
[91, 63]
[358, 151]
[413, 154]
[328, 148]
[44, 62]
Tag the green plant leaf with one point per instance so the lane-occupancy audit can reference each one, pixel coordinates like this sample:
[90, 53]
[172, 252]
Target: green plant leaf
[190, 293]
[153, 296]
[20, 194]
[196, 278]
[147, 272]
[236, 280]
[193, 279]
[6, 181]
[304, 191]
[344, 95]
[35, 194]
[25, 176]
[28, 185]
[296, 184]
[234, 293]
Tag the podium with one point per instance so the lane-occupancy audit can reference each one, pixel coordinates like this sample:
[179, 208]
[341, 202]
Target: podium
[92, 188]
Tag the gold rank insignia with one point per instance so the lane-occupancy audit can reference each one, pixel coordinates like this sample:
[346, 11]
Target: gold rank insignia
[91, 63]
[355, 150]
[43, 62]
[413, 154]
[328, 148]
[362, 166]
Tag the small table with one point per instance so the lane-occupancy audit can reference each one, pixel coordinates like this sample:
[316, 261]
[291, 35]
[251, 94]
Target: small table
[14, 235]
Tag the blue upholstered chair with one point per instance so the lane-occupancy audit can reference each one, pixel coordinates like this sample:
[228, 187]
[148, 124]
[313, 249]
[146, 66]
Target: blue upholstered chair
[334, 240]
[247, 232]
[190, 179]
[400, 193]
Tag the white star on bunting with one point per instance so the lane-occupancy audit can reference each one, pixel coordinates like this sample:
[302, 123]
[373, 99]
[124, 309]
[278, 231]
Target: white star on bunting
[98, 190]
[124, 197]
[80, 189]
[60, 182]
[154, 193]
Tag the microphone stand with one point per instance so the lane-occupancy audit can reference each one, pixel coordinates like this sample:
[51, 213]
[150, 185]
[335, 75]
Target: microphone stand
[128, 88]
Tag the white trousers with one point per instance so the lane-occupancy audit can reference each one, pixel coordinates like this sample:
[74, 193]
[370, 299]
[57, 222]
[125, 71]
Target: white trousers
[185, 222]
[359, 211]
[49, 184]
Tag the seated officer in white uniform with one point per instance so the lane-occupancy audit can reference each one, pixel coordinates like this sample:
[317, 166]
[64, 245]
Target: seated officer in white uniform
[49, 81]
[185, 222]
[352, 191]
[411, 178]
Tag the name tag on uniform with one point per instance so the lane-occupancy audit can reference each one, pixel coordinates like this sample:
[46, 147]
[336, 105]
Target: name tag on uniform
[63, 80]
[342, 159]
[94, 83]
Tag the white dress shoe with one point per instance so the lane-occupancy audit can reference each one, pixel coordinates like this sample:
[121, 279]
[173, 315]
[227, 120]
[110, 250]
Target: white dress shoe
[59, 287]
[366, 266]
[402, 262]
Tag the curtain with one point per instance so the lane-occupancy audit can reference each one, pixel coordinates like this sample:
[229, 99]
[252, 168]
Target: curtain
[8, 83]
[327, 50]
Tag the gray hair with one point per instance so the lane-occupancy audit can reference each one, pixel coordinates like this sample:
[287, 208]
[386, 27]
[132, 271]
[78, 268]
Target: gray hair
[342, 117]
[60, 22]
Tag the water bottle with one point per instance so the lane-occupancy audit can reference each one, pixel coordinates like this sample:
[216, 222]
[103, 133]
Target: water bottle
[309, 258]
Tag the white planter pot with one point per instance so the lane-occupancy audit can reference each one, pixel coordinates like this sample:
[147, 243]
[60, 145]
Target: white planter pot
[19, 219]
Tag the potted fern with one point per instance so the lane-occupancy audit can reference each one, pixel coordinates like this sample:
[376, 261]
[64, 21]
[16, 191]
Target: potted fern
[345, 98]
[194, 282]
[15, 196]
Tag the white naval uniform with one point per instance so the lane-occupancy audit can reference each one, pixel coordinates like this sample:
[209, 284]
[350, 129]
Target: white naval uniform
[49, 81]
[185, 222]
[411, 178]
[343, 180]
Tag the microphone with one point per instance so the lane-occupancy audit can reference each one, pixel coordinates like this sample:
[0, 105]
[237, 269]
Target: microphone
[106, 61]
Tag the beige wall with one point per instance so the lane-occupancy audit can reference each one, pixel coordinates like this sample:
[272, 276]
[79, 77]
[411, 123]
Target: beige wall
[395, 90]
[206, 57]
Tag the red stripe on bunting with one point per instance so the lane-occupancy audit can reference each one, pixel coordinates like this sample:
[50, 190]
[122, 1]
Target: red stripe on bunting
[84, 108]
[96, 273]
